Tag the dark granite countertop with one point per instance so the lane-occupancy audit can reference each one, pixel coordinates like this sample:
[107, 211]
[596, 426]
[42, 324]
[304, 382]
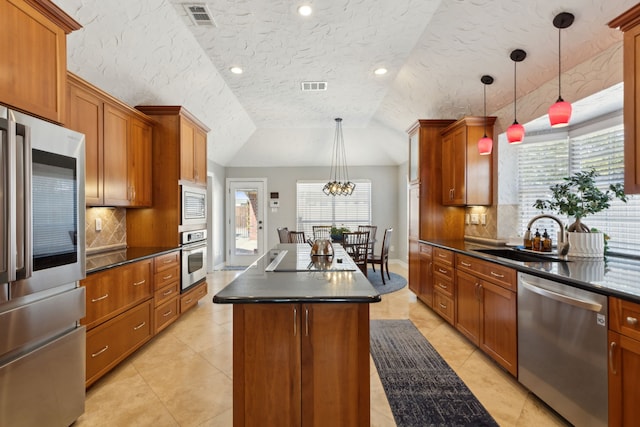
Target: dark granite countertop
[105, 260]
[288, 274]
[613, 276]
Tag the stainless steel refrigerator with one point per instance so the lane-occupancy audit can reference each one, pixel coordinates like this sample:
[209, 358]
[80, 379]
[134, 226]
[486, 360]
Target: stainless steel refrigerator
[42, 259]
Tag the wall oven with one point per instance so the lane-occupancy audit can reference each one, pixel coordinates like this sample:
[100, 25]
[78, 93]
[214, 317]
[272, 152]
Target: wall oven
[42, 258]
[193, 205]
[194, 258]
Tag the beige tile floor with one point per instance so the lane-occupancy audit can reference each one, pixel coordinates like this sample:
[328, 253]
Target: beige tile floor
[183, 376]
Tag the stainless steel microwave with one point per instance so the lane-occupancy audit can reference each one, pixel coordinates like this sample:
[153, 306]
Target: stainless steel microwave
[194, 205]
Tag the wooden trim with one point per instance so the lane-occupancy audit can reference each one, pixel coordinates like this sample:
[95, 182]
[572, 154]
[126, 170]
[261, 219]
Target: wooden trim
[55, 14]
[171, 110]
[627, 20]
[471, 121]
[428, 122]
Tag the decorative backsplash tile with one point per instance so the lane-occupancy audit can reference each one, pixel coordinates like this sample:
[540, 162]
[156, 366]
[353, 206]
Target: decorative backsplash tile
[114, 228]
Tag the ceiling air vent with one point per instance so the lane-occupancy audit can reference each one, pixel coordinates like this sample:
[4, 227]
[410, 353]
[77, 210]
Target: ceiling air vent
[314, 86]
[199, 14]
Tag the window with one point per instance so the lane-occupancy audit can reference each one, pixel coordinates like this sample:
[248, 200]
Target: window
[316, 208]
[542, 164]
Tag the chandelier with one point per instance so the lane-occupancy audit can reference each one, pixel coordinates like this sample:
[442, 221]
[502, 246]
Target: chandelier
[339, 184]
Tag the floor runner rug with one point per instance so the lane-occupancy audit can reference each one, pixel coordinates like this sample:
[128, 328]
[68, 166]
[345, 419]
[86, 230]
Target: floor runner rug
[421, 387]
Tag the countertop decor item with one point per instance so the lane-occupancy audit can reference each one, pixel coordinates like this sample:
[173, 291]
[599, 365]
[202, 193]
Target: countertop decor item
[578, 197]
[339, 184]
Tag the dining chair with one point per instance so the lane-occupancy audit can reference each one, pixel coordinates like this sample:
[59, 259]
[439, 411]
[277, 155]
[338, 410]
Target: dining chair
[321, 232]
[283, 234]
[356, 244]
[372, 229]
[383, 258]
[297, 237]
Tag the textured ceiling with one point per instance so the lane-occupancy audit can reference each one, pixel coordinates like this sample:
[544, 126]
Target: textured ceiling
[149, 52]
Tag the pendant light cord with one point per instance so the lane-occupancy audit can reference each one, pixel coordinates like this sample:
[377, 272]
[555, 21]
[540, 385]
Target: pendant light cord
[485, 110]
[515, 120]
[559, 67]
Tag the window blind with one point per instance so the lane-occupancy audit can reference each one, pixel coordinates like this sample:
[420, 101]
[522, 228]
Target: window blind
[542, 164]
[316, 208]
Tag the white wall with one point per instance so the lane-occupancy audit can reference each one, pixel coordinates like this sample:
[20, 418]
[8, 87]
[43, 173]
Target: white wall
[216, 209]
[388, 200]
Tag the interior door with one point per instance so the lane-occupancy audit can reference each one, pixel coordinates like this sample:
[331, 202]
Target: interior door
[246, 220]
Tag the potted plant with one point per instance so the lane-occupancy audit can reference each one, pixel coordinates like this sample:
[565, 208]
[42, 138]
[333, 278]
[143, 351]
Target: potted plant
[577, 197]
[336, 233]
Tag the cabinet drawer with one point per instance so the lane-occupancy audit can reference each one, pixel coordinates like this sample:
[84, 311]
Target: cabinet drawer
[443, 270]
[165, 277]
[443, 256]
[444, 285]
[496, 273]
[624, 317]
[192, 297]
[166, 261]
[165, 314]
[163, 295]
[443, 305]
[426, 250]
[111, 342]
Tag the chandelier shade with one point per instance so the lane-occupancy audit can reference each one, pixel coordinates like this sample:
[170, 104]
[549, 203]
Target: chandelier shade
[485, 144]
[339, 183]
[560, 112]
[515, 132]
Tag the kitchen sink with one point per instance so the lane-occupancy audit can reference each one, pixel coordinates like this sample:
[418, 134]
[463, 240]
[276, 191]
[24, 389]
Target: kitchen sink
[520, 255]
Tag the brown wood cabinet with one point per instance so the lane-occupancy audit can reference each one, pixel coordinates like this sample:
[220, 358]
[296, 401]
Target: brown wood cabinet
[190, 298]
[33, 43]
[414, 236]
[179, 146]
[118, 146]
[629, 22]
[466, 175]
[166, 285]
[425, 290]
[294, 366]
[118, 315]
[624, 362]
[444, 284]
[486, 308]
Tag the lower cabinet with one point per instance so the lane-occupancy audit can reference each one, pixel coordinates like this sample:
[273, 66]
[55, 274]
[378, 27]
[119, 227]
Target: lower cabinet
[444, 284]
[190, 298]
[301, 364]
[425, 290]
[624, 362]
[486, 309]
[113, 341]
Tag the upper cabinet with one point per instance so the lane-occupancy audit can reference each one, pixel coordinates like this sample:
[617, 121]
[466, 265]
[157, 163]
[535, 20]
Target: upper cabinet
[33, 63]
[117, 146]
[193, 152]
[466, 175]
[629, 22]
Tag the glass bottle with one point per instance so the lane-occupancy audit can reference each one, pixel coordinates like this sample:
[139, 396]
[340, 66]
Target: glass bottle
[546, 241]
[537, 240]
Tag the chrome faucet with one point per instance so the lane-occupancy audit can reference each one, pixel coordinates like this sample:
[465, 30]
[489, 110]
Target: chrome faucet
[563, 246]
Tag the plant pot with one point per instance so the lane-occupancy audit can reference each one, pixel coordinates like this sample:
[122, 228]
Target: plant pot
[586, 245]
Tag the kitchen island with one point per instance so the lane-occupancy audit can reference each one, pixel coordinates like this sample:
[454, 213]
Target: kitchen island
[300, 340]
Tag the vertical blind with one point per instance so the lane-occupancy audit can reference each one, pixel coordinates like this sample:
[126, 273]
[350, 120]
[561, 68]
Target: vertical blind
[542, 164]
[316, 208]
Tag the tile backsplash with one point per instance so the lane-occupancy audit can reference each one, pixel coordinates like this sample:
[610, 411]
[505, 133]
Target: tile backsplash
[113, 234]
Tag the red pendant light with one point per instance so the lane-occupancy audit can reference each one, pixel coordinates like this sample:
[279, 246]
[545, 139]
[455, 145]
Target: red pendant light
[485, 144]
[515, 132]
[560, 112]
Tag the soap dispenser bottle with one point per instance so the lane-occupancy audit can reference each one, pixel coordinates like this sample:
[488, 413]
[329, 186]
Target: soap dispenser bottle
[546, 241]
[537, 240]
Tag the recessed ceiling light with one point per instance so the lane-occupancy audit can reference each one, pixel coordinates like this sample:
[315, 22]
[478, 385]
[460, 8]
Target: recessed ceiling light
[236, 70]
[305, 10]
[380, 71]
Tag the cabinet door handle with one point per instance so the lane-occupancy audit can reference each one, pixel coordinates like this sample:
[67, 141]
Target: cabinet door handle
[295, 321]
[135, 328]
[167, 277]
[100, 298]
[442, 271]
[444, 307]
[99, 352]
[632, 321]
[169, 292]
[442, 286]
[168, 261]
[500, 276]
[442, 255]
[612, 346]
[168, 313]
[188, 301]
[306, 321]
[465, 264]
[139, 283]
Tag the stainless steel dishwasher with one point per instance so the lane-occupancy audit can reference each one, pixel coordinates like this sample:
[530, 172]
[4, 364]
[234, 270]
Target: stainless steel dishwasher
[562, 348]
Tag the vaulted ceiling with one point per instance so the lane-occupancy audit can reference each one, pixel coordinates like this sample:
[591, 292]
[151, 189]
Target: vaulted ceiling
[151, 52]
